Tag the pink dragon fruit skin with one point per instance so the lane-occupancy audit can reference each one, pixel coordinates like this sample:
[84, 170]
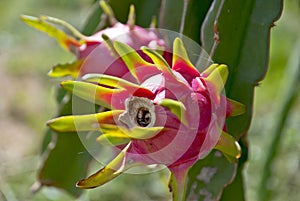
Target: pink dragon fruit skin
[98, 57]
[138, 38]
[175, 120]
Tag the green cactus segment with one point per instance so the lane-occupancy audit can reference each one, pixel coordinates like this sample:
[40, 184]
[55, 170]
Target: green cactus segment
[90, 122]
[235, 108]
[69, 69]
[131, 58]
[229, 147]
[91, 92]
[116, 167]
[62, 38]
[177, 108]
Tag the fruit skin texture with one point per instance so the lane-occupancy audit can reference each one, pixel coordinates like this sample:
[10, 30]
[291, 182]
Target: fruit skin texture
[158, 114]
[99, 57]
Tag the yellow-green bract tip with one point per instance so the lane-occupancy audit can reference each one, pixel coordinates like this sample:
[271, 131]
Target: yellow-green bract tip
[218, 77]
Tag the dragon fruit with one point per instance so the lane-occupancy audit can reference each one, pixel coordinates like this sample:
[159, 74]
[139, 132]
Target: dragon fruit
[97, 56]
[160, 110]
[93, 52]
[169, 115]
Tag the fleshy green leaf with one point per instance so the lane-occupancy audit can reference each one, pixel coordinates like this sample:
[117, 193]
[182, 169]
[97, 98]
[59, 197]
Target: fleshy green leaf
[62, 38]
[235, 108]
[69, 69]
[117, 166]
[113, 138]
[158, 60]
[92, 93]
[131, 58]
[141, 133]
[110, 81]
[116, 82]
[65, 25]
[176, 108]
[181, 61]
[229, 146]
[161, 64]
[209, 70]
[89, 122]
[104, 122]
[144, 133]
[218, 77]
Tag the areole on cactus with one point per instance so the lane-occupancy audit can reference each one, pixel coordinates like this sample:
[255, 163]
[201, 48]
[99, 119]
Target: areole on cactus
[174, 121]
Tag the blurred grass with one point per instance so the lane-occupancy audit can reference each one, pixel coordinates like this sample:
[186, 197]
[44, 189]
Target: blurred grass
[27, 101]
[284, 180]
[26, 92]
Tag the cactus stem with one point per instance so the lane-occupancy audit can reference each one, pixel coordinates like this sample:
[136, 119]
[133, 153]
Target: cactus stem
[216, 32]
[185, 5]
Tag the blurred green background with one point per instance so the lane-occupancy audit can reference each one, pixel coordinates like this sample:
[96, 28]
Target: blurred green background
[27, 101]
